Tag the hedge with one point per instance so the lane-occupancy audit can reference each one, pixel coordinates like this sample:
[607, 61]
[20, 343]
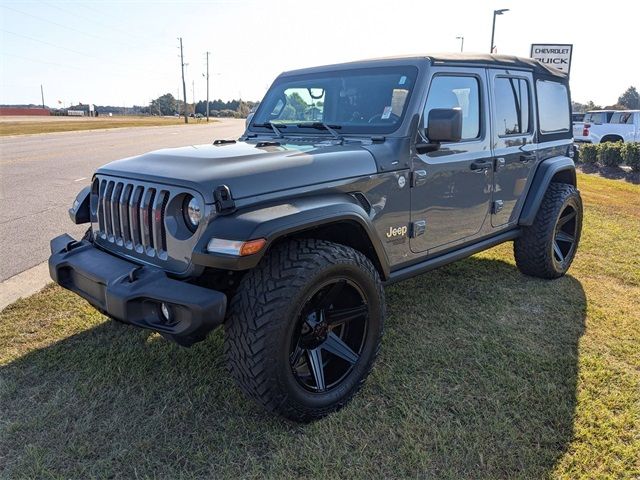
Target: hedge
[631, 155]
[589, 153]
[611, 154]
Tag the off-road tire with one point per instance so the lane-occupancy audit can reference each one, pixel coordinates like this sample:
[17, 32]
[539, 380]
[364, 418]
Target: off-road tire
[268, 303]
[534, 249]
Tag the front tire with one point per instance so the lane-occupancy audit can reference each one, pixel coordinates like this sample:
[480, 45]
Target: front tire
[547, 248]
[304, 328]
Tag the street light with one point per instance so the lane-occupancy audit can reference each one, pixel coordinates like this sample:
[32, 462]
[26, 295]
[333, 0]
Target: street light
[461, 38]
[493, 29]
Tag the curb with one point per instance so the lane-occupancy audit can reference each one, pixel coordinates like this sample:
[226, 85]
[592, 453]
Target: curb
[24, 284]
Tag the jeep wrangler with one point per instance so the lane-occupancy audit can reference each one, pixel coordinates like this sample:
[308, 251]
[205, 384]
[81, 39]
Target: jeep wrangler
[347, 177]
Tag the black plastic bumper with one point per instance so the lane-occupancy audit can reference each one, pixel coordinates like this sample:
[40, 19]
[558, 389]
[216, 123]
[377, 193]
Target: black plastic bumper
[134, 294]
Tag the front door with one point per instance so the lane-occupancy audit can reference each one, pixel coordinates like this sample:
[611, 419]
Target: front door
[451, 187]
[512, 142]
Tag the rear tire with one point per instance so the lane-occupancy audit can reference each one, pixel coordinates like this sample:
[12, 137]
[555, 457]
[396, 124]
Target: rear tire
[547, 248]
[304, 328]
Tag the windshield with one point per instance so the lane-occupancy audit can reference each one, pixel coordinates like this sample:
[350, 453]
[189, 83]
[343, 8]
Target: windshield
[370, 100]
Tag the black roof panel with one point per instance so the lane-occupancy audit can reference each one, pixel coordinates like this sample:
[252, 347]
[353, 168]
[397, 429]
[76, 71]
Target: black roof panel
[475, 59]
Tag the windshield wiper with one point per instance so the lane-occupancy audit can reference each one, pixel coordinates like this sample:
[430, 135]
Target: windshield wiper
[322, 126]
[272, 126]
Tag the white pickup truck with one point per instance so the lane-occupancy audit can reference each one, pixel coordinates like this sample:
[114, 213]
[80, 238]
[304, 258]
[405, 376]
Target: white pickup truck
[608, 126]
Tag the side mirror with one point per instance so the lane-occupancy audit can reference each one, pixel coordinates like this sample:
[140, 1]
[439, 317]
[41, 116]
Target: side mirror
[444, 125]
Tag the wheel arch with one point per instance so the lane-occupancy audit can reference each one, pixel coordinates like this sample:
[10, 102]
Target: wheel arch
[335, 217]
[347, 231]
[612, 138]
[559, 169]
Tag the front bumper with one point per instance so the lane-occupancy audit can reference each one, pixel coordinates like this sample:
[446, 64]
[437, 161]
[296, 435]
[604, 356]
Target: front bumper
[133, 293]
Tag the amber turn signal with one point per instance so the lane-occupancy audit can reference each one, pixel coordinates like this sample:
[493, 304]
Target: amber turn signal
[252, 246]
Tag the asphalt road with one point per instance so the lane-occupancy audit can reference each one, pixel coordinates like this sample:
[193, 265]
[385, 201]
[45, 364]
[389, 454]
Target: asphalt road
[40, 176]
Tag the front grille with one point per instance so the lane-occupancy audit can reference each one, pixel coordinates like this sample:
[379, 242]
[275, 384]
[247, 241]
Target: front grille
[132, 216]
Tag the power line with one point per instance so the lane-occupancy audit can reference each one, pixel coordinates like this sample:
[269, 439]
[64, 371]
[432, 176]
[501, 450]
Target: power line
[158, 73]
[99, 23]
[63, 26]
[40, 61]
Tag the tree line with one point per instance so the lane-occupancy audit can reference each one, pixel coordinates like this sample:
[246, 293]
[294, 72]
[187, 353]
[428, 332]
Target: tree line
[629, 100]
[167, 104]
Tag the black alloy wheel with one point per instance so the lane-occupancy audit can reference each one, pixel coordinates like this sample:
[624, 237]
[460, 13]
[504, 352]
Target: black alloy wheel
[329, 337]
[565, 236]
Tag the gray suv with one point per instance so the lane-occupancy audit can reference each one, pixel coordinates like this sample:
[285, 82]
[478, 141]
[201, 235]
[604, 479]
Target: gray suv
[347, 178]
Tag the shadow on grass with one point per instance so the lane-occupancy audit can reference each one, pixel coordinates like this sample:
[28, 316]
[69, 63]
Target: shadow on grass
[612, 173]
[477, 378]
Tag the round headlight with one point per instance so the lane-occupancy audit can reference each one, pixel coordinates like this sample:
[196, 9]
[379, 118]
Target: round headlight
[193, 213]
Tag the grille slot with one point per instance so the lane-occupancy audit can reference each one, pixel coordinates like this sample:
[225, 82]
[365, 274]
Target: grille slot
[133, 216]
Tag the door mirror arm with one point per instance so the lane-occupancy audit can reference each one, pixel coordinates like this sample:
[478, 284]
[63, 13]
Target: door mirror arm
[423, 147]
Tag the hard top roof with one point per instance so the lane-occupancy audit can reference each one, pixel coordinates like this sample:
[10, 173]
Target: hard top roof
[459, 59]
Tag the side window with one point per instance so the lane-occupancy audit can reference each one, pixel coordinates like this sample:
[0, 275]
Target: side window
[448, 91]
[595, 117]
[622, 117]
[553, 106]
[512, 106]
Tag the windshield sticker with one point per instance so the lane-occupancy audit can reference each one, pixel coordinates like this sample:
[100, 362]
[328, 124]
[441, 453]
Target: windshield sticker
[386, 113]
[403, 80]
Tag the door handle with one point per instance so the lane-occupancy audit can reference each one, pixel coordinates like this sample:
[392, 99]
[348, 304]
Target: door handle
[480, 165]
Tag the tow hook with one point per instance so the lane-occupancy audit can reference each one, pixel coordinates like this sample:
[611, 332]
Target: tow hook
[71, 245]
[133, 274]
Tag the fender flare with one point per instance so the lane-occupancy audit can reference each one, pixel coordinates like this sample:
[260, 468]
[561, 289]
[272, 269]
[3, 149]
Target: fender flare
[277, 220]
[543, 177]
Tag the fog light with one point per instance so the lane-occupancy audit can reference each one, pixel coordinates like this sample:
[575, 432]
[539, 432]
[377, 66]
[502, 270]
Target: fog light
[166, 311]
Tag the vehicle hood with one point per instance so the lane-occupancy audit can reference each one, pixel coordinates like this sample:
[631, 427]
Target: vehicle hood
[247, 169]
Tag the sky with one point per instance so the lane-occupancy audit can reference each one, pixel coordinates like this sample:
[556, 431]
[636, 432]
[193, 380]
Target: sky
[125, 53]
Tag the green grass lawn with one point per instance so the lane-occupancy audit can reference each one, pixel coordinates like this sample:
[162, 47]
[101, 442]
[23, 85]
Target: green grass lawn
[484, 373]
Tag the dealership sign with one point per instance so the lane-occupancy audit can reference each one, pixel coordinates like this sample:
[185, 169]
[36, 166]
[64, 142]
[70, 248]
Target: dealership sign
[553, 55]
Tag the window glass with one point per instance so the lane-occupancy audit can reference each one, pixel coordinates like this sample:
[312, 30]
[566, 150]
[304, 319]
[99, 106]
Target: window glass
[300, 105]
[512, 106]
[594, 117]
[553, 106]
[456, 92]
[622, 117]
[370, 100]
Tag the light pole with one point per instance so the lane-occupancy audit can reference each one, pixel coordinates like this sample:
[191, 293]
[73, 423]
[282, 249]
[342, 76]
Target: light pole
[493, 29]
[207, 86]
[461, 38]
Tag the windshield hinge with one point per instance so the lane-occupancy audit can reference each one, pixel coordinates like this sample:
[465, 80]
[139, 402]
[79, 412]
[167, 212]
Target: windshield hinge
[224, 200]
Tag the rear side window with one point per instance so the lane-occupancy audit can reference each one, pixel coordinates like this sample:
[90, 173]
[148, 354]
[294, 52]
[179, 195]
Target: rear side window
[622, 117]
[512, 106]
[553, 106]
[598, 117]
[448, 91]
[595, 117]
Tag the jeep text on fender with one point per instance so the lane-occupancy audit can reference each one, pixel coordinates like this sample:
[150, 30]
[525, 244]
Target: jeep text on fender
[347, 177]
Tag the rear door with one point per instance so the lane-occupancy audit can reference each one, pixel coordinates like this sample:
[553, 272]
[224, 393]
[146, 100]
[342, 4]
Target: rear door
[451, 187]
[512, 141]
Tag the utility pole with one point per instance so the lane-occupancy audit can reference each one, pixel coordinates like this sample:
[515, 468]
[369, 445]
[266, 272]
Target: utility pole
[493, 28]
[207, 86]
[42, 95]
[193, 93]
[461, 38]
[184, 85]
